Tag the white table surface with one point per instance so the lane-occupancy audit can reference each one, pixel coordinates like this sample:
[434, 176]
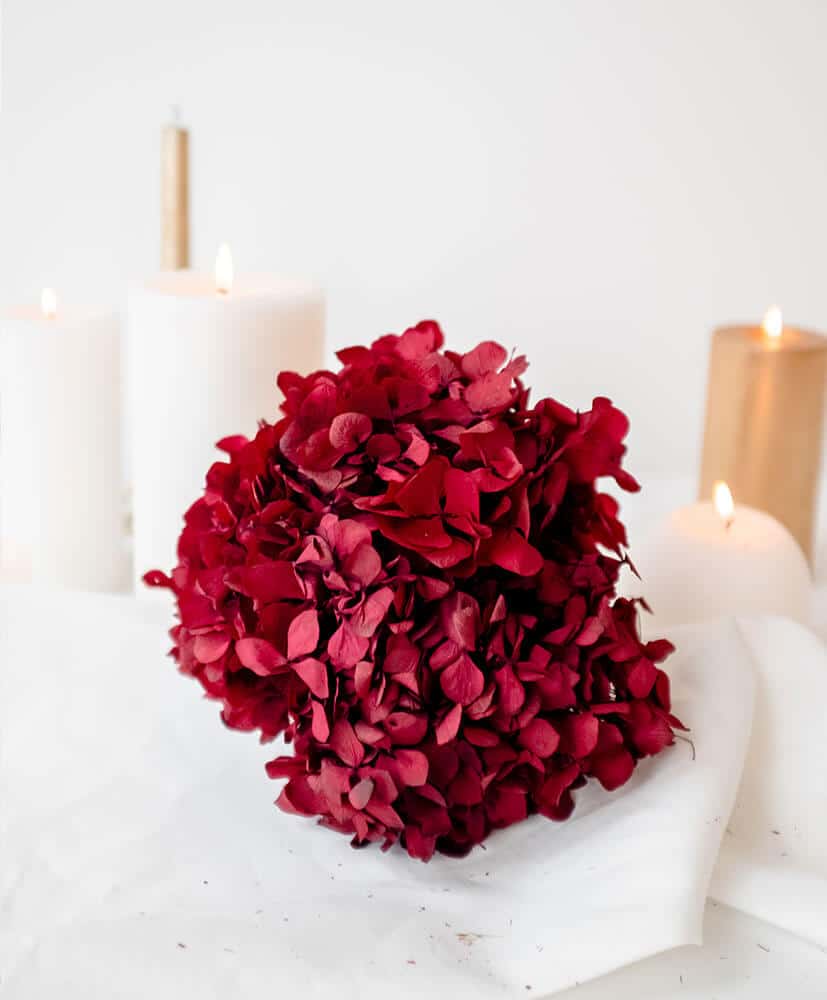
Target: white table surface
[741, 957]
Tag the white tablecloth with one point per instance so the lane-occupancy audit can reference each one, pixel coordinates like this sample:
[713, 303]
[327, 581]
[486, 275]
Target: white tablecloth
[142, 856]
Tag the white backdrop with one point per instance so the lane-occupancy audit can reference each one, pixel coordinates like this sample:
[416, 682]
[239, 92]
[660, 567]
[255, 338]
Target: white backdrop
[596, 183]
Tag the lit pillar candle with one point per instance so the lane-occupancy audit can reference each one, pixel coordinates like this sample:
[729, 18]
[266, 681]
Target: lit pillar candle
[715, 559]
[61, 513]
[764, 413]
[203, 354]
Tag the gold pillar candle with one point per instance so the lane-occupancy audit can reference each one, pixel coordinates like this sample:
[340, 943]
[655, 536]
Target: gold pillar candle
[175, 235]
[764, 414]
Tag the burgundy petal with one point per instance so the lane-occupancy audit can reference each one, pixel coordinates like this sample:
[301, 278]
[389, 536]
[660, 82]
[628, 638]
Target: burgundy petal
[579, 734]
[512, 552]
[613, 768]
[486, 357]
[360, 794]
[314, 674]
[447, 729]
[540, 737]
[320, 725]
[345, 647]
[259, 655]
[345, 742]
[409, 767]
[267, 581]
[460, 616]
[349, 430]
[303, 634]
[211, 646]
[462, 681]
[373, 610]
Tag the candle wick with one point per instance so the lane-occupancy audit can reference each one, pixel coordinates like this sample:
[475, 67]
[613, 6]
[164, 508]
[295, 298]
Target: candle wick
[728, 523]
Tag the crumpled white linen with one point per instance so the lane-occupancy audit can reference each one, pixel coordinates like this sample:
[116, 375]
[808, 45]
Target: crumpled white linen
[773, 861]
[141, 855]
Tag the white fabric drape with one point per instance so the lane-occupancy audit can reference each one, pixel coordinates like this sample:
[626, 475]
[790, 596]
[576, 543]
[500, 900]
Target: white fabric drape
[141, 854]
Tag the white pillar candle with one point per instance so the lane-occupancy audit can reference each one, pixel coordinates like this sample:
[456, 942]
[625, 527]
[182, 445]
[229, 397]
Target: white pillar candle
[715, 559]
[61, 518]
[203, 355]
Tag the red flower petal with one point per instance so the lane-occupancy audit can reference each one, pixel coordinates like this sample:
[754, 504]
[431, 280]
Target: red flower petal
[460, 617]
[360, 794]
[349, 430]
[198, 613]
[314, 674]
[554, 787]
[448, 728]
[267, 581]
[540, 737]
[285, 767]
[512, 552]
[371, 613]
[420, 494]
[211, 646]
[486, 357]
[418, 845]
[506, 806]
[363, 565]
[345, 743]
[613, 768]
[649, 730]
[345, 647]
[408, 767]
[462, 681]
[320, 725]
[578, 734]
[259, 655]
[406, 728]
[490, 392]
[512, 692]
[303, 634]
[420, 340]
[155, 578]
[298, 796]
[640, 677]
[385, 814]
[401, 655]
[461, 494]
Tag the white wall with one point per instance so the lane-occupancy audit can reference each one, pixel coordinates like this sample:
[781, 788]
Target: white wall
[597, 182]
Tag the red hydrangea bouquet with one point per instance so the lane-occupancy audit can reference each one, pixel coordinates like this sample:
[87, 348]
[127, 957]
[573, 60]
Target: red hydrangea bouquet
[411, 578]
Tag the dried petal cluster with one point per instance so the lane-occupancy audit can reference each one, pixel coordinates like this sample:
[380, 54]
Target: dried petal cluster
[408, 577]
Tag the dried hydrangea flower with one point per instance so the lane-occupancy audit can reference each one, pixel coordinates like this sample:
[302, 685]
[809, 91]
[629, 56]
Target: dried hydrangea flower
[411, 578]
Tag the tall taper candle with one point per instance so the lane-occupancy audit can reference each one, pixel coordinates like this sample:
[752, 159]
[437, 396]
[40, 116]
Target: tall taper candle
[175, 224]
[61, 516]
[764, 414]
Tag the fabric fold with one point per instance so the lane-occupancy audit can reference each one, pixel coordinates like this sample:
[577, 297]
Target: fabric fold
[773, 862]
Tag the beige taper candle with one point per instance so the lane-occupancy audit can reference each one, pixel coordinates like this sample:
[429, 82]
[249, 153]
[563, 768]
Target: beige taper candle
[175, 232]
[764, 414]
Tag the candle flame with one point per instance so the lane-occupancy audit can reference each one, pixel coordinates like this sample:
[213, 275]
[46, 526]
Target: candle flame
[724, 504]
[48, 303]
[223, 269]
[773, 323]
